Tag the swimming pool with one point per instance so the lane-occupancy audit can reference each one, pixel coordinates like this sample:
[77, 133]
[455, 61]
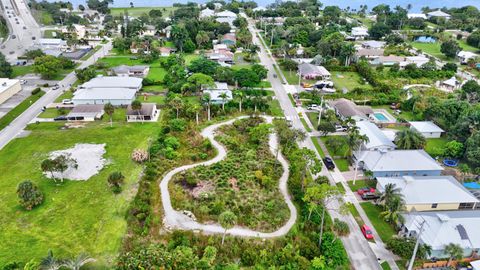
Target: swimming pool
[426, 39]
[380, 117]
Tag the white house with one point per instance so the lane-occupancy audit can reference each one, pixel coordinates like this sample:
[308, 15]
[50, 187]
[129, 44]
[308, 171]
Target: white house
[427, 128]
[377, 140]
[149, 31]
[449, 85]
[8, 88]
[438, 14]
[216, 93]
[417, 60]
[147, 113]
[419, 195]
[165, 51]
[416, 15]
[359, 33]
[373, 44]
[464, 56]
[52, 44]
[309, 71]
[84, 112]
[443, 228]
[206, 13]
[226, 17]
[131, 71]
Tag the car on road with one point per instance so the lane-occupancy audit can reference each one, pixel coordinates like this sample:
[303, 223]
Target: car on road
[11, 52]
[14, 36]
[23, 81]
[370, 196]
[33, 38]
[329, 163]
[339, 128]
[363, 190]
[67, 102]
[60, 118]
[274, 75]
[24, 27]
[56, 87]
[367, 232]
[18, 22]
[3, 47]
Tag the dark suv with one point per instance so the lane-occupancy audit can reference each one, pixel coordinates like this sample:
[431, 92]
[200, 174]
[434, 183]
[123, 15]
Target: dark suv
[329, 163]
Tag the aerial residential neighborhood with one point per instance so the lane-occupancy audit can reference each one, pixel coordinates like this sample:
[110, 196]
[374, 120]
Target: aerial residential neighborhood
[317, 135]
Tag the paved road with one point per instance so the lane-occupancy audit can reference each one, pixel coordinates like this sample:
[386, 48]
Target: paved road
[358, 249]
[177, 220]
[12, 130]
[18, 10]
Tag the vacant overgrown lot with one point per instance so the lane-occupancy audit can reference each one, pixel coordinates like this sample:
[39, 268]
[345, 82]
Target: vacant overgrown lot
[76, 216]
[246, 182]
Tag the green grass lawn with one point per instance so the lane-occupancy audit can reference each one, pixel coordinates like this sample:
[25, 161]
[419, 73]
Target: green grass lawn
[50, 34]
[156, 72]
[305, 125]
[385, 266]
[384, 229]
[340, 152]
[76, 216]
[348, 80]
[65, 95]
[275, 109]
[317, 146]
[291, 76]
[138, 11]
[19, 109]
[160, 99]
[342, 164]
[52, 113]
[292, 100]
[463, 44]
[432, 49]
[154, 89]
[313, 117]
[190, 57]
[21, 70]
[435, 146]
[360, 184]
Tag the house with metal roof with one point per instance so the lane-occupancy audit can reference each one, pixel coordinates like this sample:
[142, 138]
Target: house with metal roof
[310, 71]
[359, 33]
[442, 228]
[206, 13]
[464, 56]
[396, 163]
[377, 140]
[345, 109]
[427, 128]
[147, 113]
[418, 194]
[131, 71]
[373, 44]
[438, 14]
[217, 93]
[87, 112]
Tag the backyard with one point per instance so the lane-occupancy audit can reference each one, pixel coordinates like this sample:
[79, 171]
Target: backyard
[76, 216]
[435, 146]
[348, 80]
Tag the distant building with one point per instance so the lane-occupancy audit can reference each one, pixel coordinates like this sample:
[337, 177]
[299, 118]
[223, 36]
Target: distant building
[438, 14]
[206, 13]
[217, 92]
[419, 61]
[388, 60]
[464, 56]
[86, 113]
[427, 128]
[229, 39]
[149, 31]
[345, 109]
[450, 85]
[416, 15]
[419, 195]
[147, 113]
[8, 88]
[309, 71]
[359, 33]
[137, 47]
[165, 51]
[131, 71]
[373, 44]
[46, 44]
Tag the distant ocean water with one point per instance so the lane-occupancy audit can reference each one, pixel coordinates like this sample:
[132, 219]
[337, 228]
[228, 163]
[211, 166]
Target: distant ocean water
[416, 4]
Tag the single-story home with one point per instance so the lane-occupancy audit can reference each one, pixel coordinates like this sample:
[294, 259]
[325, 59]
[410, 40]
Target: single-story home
[417, 60]
[147, 113]
[431, 193]
[309, 71]
[388, 60]
[450, 85]
[165, 51]
[51, 44]
[216, 93]
[86, 112]
[8, 88]
[438, 14]
[395, 163]
[464, 56]
[345, 109]
[377, 140]
[359, 33]
[149, 31]
[416, 15]
[136, 47]
[369, 54]
[427, 128]
[206, 13]
[443, 228]
[373, 44]
[131, 71]
[116, 90]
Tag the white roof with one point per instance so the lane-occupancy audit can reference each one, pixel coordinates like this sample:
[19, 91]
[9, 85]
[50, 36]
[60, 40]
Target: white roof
[259, 9]
[216, 94]
[438, 13]
[225, 20]
[113, 82]
[5, 84]
[51, 41]
[452, 82]
[226, 13]
[475, 265]
[417, 59]
[398, 160]
[429, 189]
[373, 44]
[443, 228]
[359, 31]
[425, 126]
[376, 138]
[466, 54]
[105, 94]
[416, 15]
[207, 13]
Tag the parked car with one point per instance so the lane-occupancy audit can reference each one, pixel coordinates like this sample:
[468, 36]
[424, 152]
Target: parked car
[24, 27]
[367, 232]
[33, 38]
[14, 36]
[312, 107]
[67, 102]
[274, 75]
[339, 128]
[329, 163]
[56, 87]
[365, 190]
[23, 81]
[370, 196]
[60, 118]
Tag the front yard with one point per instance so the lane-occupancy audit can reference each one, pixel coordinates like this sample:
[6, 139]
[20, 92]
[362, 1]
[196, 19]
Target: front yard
[384, 229]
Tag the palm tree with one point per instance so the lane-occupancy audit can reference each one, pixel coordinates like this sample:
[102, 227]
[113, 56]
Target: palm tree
[454, 251]
[355, 140]
[347, 51]
[177, 103]
[410, 139]
[390, 192]
[136, 106]
[78, 262]
[224, 98]
[109, 109]
[206, 100]
[50, 262]
[227, 220]
[194, 108]
[240, 95]
[392, 213]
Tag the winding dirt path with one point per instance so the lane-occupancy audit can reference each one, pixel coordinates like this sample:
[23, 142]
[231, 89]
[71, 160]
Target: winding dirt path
[177, 220]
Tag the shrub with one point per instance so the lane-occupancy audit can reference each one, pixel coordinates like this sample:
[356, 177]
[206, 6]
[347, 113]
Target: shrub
[139, 155]
[340, 227]
[178, 124]
[29, 195]
[172, 142]
[115, 180]
[36, 91]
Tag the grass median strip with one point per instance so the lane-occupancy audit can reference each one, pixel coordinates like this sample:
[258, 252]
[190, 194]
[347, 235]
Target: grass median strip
[19, 109]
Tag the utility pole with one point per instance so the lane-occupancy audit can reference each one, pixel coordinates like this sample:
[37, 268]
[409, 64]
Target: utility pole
[320, 113]
[412, 260]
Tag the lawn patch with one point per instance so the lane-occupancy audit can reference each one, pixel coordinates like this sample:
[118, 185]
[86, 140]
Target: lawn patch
[435, 146]
[19, 109]
[348, 80]
[360, 184]
[384, 229]
[317, 146]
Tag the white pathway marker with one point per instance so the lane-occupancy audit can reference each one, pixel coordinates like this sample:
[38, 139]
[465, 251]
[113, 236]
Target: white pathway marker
[177, 220]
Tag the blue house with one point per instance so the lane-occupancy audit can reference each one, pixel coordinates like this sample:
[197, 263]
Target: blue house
[396, 163]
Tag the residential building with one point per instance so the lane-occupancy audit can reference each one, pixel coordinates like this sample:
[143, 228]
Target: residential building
[309, 71]
[86, 112]
[226, 17]
[8, 88]
[165, 51]
[147, 113]
[447, 195]
[137, 47]
[377, 140]
[395, 163]
[206, 13]
[417, 60]
[416, 15]
[359, 33]
[388, 60]
[52, 44]
[427, 128]
[438, 14]
[259, 9]
[443, 228]
[229, 39]
[131, 71]
[450, 85]
[464, 56]
[79, 30]
[217, 92]
[345, 109]
[149, 31]
[369, 54]
[373, 44]
[113, 89]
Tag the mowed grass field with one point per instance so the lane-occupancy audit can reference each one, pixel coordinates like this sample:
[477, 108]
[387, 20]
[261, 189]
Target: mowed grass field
[76, 216]
[156, 72]
[138, 11]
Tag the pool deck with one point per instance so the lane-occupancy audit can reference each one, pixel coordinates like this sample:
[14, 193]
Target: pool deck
[390, 118]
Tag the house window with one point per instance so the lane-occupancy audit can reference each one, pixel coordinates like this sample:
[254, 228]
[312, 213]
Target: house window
[434, 205]
[466, 205]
